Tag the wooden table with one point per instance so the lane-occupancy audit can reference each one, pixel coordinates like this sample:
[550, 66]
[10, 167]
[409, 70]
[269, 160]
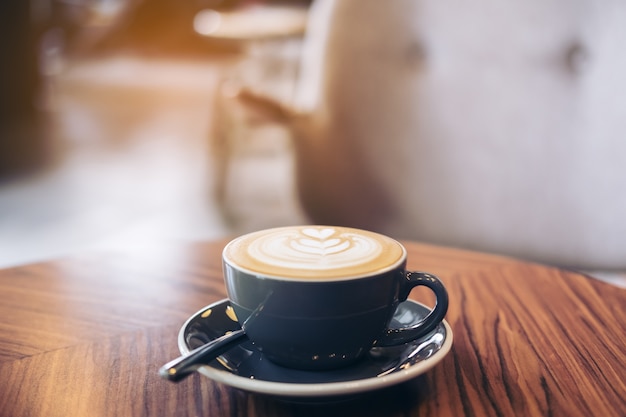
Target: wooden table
[85, 337]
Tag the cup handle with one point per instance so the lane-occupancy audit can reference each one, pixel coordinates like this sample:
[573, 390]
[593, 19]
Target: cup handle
[393, 337]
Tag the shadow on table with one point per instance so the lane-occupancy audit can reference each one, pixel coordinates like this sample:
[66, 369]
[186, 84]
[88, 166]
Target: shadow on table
[392, 401]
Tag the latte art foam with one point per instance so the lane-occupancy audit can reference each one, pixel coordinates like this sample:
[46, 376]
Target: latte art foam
[314, 252]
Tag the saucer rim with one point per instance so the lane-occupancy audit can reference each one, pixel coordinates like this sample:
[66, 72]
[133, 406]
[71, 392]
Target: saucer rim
[323, 389]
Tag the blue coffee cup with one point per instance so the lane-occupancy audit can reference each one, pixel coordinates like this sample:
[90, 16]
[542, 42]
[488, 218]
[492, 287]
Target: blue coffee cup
[320, 297]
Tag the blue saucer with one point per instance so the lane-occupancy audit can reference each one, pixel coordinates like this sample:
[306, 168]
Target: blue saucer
[245, 368]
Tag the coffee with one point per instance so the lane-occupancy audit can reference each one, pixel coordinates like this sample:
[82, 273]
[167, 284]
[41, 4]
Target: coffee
[315, 253]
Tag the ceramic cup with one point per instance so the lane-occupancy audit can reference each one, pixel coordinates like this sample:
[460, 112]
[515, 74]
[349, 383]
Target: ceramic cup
[319, 297]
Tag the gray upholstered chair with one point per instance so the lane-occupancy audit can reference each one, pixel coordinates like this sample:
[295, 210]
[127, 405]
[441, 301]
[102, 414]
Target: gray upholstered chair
[498, 126]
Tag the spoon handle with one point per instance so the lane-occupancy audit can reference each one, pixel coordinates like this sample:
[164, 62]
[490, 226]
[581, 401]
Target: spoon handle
[181, 367]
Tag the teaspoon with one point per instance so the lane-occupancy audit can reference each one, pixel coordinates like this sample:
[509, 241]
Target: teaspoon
[179, 368]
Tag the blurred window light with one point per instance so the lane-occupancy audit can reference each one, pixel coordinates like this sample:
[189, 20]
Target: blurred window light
[207, 22]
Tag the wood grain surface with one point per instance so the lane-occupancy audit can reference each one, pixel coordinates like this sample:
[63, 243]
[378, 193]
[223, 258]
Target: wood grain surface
[85, 336]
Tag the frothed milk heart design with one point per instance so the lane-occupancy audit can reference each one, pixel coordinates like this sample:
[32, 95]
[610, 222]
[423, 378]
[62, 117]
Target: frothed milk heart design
[318, 242]
[315, 252]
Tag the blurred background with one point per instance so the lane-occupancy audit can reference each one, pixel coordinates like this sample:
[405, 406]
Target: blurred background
[131, 123]
[111, 117]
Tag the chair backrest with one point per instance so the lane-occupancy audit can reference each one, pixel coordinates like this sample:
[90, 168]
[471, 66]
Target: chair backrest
[481, 124]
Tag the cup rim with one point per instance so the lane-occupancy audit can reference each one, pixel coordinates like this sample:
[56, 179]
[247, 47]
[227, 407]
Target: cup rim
[346, 277]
